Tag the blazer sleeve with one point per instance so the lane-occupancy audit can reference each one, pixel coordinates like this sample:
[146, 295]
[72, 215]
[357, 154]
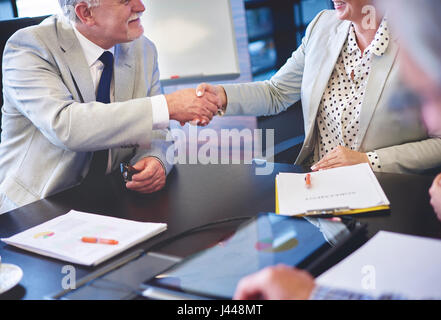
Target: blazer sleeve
[413, 157]
[162, 143]
[34, 85]
[275, 95]
[161, 148]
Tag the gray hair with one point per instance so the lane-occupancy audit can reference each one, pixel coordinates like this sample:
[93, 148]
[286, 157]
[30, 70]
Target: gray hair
[68, 7]
[418, 25]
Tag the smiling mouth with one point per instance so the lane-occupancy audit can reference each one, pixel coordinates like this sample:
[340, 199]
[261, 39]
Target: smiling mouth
[339, 4]
[136, 17]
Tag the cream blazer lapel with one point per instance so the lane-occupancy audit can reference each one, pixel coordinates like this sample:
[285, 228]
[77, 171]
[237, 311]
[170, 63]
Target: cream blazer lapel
[124, 73]
[124, 69]
[329, 58]
[124, 78]
[380, 70]
[76, 61]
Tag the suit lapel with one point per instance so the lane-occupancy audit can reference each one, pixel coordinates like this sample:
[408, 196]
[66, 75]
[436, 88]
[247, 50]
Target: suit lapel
[76, 61]
[329, 59]
[381, 67]
[124, 72]
[325, 67]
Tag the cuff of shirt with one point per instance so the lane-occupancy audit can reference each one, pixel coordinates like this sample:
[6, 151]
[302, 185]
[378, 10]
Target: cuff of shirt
[374, 160]
[160, 114]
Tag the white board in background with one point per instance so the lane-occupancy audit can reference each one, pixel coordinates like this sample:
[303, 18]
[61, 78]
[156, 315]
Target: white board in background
[195, 39]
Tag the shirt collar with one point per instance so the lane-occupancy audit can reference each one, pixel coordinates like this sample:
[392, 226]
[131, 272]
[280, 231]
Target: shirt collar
[352, 42]
[378, 46]
[91, 51]
[381, 41]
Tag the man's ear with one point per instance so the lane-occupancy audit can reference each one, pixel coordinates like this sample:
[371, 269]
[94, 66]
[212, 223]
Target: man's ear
[84, 14]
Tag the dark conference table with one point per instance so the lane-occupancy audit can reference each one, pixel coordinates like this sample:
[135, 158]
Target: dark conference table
[194, 195]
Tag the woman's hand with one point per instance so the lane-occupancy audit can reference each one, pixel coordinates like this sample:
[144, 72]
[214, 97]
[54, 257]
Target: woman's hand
[339, 157]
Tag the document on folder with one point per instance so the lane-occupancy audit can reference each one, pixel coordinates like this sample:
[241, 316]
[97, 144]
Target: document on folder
[69, 237]
[345, 190]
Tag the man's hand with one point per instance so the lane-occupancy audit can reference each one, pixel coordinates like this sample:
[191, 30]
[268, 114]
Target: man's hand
[276, 283]
[184, 106]
[340, 157]
[435, 195]
[218, 91]
[151, 177]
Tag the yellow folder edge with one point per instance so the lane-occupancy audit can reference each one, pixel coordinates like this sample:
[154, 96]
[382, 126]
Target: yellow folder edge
[352, 211]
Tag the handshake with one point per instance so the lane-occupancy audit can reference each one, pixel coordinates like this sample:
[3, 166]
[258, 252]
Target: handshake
[196, 106]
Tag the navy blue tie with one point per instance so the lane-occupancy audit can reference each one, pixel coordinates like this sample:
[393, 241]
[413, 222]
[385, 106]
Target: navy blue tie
[103, 94]
[99, 161]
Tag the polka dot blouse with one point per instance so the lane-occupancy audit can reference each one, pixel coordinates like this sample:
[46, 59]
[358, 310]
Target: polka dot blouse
[338, 117]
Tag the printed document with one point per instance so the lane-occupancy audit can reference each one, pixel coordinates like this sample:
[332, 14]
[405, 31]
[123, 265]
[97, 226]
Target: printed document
[390, 263]
[351, 187]
[61, 238]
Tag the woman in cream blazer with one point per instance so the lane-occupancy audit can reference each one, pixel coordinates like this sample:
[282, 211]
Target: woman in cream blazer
[395, 141]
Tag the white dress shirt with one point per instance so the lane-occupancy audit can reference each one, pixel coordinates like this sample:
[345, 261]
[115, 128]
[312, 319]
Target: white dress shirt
[92, 52]
[338, 118]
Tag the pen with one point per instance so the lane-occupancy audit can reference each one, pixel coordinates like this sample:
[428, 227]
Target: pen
[99, 240]
[308, 180]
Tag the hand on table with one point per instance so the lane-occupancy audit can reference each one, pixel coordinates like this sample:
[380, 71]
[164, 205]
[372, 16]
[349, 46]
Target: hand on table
[435, 195]
[151, 177]
[276, 283]
[339, 157]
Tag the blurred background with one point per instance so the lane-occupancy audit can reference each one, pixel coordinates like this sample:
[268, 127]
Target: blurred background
[275, 27]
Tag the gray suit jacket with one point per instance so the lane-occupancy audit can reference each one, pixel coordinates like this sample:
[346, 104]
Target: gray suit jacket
[401, 144]
[51, 121]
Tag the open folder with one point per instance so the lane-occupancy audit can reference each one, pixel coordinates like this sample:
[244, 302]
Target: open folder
[345, 190]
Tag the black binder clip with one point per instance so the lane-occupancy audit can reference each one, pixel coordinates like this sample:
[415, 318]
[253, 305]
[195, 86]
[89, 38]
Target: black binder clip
[127, 171]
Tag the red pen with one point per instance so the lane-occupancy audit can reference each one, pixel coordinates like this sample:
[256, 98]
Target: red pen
[308, 180]
[99, 240]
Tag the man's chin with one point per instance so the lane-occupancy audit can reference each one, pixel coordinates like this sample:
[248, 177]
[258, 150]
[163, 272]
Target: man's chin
[132, 35]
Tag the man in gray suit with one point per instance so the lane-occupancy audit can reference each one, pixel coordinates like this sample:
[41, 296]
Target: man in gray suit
[81, 96]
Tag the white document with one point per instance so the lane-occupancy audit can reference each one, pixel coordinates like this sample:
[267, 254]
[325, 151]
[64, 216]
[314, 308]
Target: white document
[352, 187]
[60, 237]
[390, 263]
